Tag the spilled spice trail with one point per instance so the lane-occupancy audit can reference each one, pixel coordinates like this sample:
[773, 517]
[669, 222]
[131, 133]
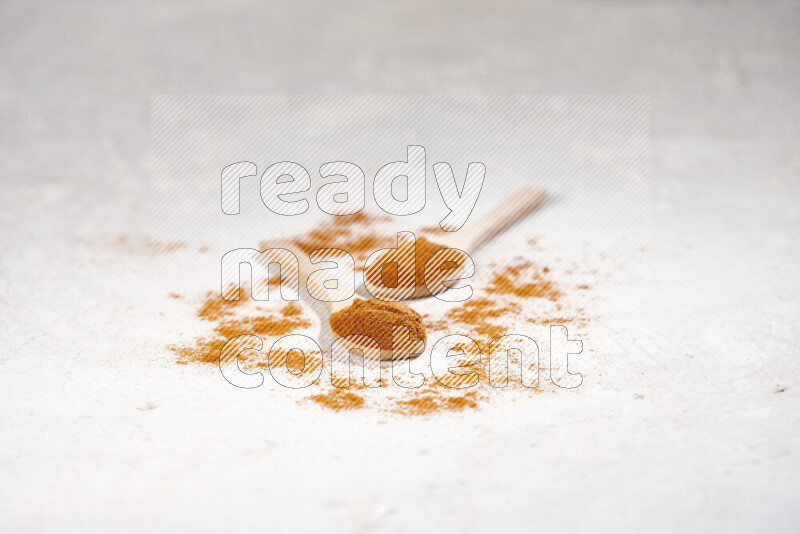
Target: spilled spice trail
[521, 282]
[339, 399]
[227, 325]
[352, 233]
[431, 401]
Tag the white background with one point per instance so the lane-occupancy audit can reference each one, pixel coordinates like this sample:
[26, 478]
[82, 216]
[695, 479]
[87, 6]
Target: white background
[692, 426]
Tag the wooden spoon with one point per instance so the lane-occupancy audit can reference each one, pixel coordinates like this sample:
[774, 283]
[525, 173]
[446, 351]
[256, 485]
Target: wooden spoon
[469, 238]
[369, 350]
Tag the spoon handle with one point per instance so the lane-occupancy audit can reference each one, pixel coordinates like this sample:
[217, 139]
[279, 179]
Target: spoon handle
[305, 269]
[513, 208]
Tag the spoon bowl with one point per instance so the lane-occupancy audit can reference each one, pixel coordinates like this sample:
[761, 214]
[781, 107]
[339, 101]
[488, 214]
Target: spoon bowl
[325, 309]
[468, 240]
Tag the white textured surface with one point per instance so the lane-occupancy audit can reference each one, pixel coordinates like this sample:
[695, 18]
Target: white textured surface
[100, 431]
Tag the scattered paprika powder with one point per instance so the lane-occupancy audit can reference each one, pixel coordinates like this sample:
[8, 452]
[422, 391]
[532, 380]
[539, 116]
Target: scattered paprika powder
[491, 312]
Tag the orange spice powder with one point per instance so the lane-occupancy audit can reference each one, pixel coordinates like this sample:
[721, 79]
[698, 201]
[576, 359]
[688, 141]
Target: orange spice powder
[478, 315]
[430, 401]
[386, 270]
[519, 281]
[376, 319]
[339, 399]
[296, 362]
[486, 318]
[352, 233]
[215, 307]
[219, 311]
